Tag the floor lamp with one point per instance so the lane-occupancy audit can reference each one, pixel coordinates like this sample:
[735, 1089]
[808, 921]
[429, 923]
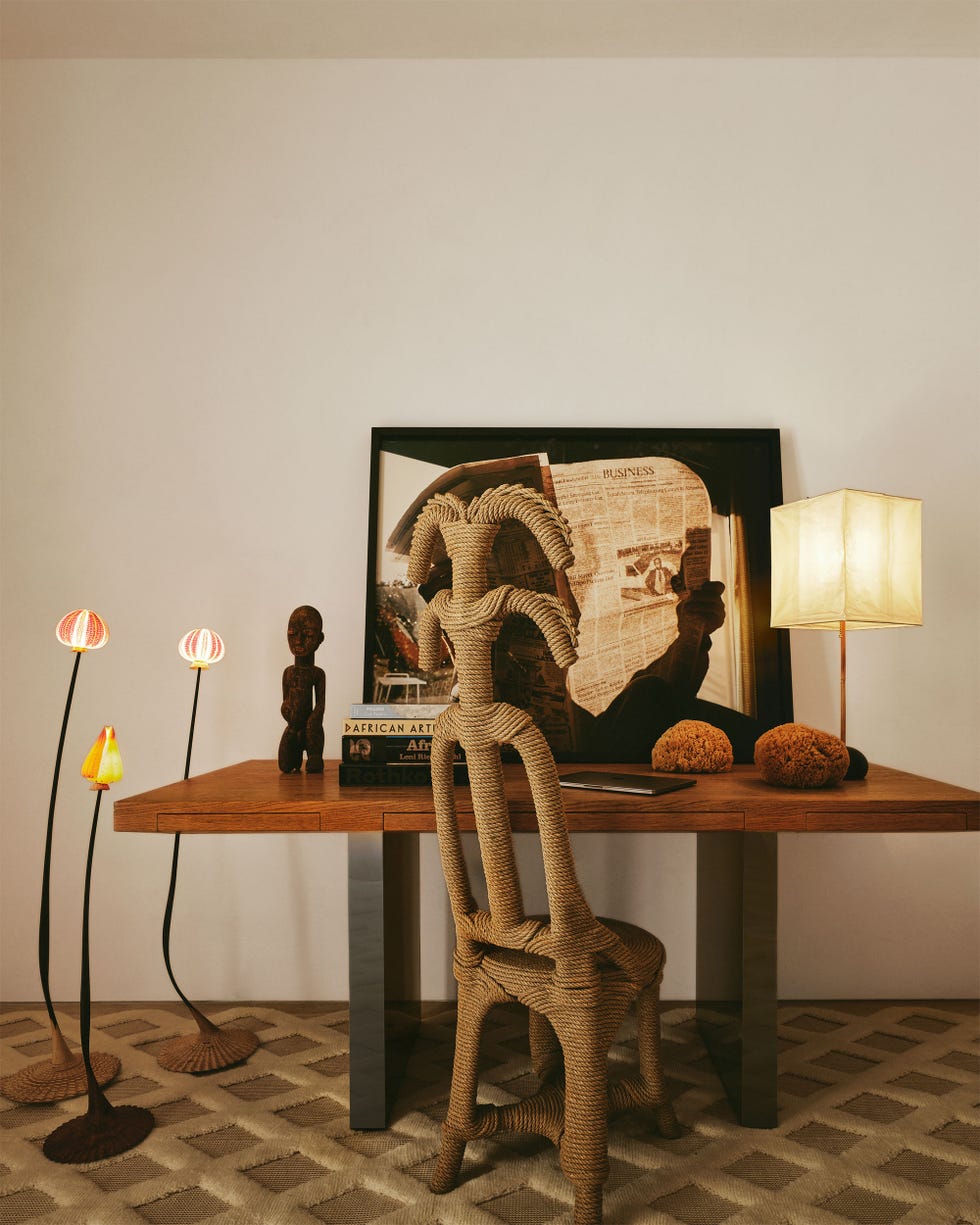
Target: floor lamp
[64, 1074]
[104, 1130]
[212, 1047]
[847, 560]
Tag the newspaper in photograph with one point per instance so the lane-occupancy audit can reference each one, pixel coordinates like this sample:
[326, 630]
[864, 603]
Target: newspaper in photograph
[524, 672]
[637, 525]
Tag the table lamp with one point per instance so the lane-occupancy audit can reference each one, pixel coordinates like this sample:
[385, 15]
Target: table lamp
[847, 560]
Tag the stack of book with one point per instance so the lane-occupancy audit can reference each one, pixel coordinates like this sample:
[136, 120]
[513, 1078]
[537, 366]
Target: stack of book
[391, 745]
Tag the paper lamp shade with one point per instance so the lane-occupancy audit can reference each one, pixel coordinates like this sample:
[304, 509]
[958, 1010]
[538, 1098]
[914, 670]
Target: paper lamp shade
[201, 648]
[82, 630]
[849, 557]
[103, 765]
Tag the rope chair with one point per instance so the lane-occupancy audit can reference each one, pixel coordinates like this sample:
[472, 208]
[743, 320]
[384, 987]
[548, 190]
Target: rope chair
[576, 974]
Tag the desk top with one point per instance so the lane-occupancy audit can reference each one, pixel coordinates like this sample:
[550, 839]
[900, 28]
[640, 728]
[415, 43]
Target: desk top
[253, 797]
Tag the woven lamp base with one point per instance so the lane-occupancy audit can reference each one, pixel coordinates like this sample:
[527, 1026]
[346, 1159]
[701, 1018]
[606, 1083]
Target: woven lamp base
[207, 1052]
[94, 1137]
[50, 1081]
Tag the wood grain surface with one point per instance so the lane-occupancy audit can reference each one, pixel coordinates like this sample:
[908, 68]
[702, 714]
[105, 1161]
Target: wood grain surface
[253, 797]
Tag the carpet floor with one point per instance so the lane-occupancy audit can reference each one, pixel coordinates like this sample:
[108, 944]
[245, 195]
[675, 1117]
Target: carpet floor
[879, 1123]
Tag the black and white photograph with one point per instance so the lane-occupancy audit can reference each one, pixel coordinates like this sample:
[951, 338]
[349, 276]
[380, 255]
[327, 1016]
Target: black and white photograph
[669, 586]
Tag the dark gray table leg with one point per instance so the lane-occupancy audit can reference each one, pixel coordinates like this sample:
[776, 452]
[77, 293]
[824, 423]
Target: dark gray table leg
[736, 973]
[383, 942]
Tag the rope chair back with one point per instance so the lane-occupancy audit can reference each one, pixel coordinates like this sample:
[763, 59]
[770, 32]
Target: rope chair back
[472, 616]
[570, 931]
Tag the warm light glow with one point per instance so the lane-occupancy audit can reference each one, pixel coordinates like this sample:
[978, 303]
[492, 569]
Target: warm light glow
[103, 765]
[201, 648]
[847, 556]
[82, 630]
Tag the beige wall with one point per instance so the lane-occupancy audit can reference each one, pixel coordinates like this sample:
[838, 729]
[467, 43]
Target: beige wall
[219, 274]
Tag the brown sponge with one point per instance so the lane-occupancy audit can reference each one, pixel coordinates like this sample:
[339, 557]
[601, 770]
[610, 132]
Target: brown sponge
[693, 747]
[794, 755]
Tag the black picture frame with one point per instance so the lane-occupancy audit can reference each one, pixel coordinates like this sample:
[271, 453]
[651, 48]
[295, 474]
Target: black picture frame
[740, 470]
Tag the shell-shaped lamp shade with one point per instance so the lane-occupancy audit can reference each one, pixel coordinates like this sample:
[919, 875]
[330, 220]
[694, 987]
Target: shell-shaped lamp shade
[103, 765]
[201, 648]
[82, 630]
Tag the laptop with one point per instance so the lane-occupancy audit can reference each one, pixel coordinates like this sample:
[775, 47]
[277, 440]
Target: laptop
[635, 784]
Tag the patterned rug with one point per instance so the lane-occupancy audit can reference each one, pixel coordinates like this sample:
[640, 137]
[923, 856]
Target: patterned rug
[879, 1122]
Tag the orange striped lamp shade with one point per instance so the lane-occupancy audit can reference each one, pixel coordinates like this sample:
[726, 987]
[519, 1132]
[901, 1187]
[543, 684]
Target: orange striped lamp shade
[201, 648]
[103, 765]
[82, 630]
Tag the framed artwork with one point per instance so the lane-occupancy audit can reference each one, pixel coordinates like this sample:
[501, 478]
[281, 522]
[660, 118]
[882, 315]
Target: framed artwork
[670, 584]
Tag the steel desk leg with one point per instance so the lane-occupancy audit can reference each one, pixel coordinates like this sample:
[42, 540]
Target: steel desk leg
[736, 971]
[383, 942]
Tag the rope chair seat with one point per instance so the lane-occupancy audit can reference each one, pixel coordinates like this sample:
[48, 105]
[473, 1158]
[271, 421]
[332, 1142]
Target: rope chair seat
[641, 944]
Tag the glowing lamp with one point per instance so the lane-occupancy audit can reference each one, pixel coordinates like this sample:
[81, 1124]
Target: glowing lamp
[103, 1130]
[201, 648]
[213, 1046]
[82, 630]
[64, 1074]
[847, 560]
[103, 765]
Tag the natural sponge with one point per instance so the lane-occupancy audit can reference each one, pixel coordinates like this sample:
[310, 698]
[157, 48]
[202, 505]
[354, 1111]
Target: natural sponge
[693, 747]
[794, 755]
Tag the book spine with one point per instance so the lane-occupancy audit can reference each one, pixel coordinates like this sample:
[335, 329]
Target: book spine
[388, 727]
[396, 710]
[351, 775]
[389, 750]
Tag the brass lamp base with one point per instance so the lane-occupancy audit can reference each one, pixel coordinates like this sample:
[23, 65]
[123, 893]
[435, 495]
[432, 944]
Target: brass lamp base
[102, 1133]
[60, 1077]
[209, 1050]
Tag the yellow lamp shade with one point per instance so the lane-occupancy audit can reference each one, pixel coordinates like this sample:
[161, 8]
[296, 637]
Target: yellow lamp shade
[103, 765]
[201, 648]
[850, 557]
[82, 630]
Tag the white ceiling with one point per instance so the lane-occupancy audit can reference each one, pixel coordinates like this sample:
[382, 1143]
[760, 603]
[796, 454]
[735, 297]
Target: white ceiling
[291, 29]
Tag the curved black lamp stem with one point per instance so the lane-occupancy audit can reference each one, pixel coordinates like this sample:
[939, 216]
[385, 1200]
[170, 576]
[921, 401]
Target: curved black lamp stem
[97, 1103]
[44, 922]
[190, 734]
[168, 913]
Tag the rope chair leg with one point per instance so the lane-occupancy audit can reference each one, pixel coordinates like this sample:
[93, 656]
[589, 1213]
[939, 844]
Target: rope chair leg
[584, 1159]
[471, 1011]
[546, 1058]
[588, 1205]
[448, 1166]
[651, 1065]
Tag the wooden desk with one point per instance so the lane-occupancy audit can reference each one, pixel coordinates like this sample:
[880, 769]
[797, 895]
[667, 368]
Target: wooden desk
[737, 819]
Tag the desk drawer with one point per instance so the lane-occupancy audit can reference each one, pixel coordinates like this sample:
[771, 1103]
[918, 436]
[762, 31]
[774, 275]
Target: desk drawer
[238, 823]
[600, 820]
[887, 822]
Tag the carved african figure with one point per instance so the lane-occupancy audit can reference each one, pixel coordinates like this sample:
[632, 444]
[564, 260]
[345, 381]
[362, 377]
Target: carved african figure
[303, 695]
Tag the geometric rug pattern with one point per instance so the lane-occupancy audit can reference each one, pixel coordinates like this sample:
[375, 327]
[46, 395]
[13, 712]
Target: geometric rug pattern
[879, 1123]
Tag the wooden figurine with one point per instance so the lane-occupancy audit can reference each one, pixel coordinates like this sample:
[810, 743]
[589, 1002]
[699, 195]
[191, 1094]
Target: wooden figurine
[303, 695]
